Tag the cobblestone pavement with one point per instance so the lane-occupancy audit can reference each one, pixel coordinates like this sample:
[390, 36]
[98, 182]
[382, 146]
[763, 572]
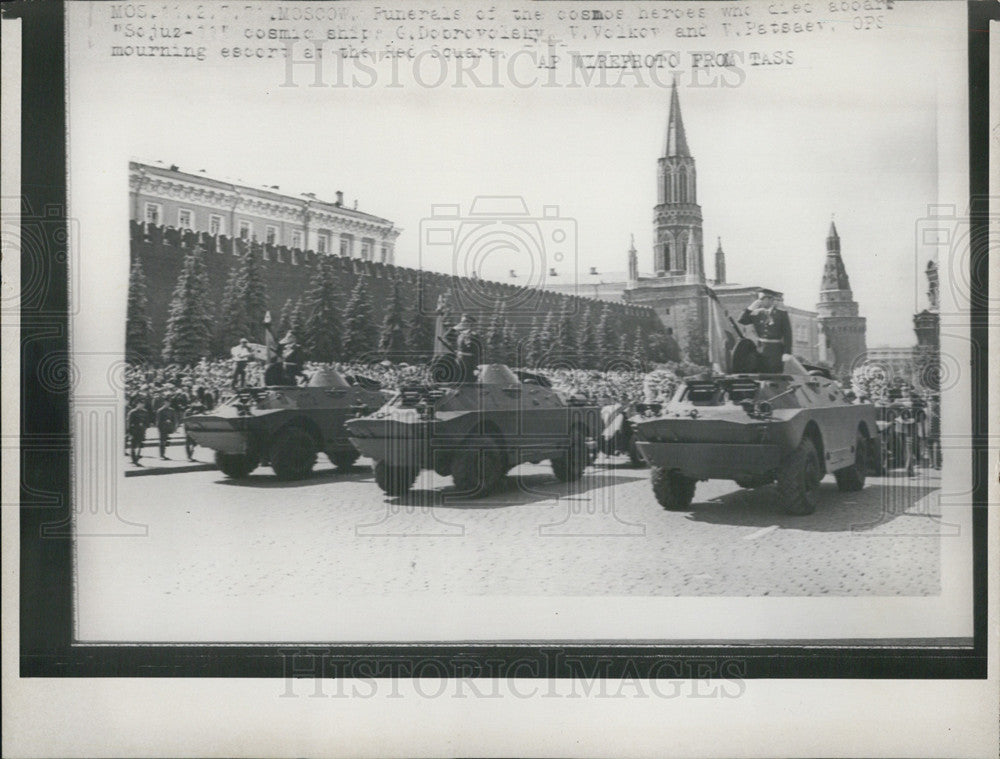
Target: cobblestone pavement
[214, 540]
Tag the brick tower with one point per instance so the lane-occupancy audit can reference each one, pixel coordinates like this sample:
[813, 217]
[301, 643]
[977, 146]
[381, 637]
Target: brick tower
[677, 238]
[842, 332]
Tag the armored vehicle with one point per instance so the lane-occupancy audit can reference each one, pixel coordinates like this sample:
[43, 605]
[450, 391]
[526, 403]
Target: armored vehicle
[790, 428]
[476, 431]
[286, 426]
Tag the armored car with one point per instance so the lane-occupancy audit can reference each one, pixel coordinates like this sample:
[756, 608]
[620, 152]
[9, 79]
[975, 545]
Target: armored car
[476, 431]
[285, 427]
[791, 429]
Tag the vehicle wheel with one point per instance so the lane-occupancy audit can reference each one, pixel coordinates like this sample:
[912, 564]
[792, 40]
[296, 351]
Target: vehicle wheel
[343, 459]
[853, 477]
[293, 454]
[876, 458]
[235, 465]
[673, 490]
[478, 471]
[395, 480]
[634, 457]
[798, 480]
[569, 466]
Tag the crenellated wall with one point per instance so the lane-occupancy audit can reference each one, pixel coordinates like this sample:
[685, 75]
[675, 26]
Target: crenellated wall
[290, 272]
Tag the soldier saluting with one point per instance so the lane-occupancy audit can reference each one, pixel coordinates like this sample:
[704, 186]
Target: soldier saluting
[467, 346]
[773, 328]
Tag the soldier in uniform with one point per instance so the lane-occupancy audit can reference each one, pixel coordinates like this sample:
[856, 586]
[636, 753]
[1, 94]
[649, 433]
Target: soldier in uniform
[292, 359]
[774, 331]
[166, 423]
[137, 420]
[468, 347]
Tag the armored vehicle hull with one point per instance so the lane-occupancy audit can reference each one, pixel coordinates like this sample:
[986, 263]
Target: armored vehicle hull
[790, 429]
[475, 431]
[284, 427]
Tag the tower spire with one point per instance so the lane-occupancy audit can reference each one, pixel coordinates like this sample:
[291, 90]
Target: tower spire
[720, 265]
[676, 144]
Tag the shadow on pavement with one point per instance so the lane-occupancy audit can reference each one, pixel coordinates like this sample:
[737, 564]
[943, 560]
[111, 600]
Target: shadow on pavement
[265, 478]
[881, 501]
[517, 490]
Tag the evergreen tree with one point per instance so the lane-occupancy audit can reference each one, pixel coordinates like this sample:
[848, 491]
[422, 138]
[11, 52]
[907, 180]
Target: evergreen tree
[604, 338]
[359, 332]
[533, 350]
[697, 339]
[419, 333]
[391, 341]
[244, 303]
[587, 340]
[547, 339]
[232, 322]
[284, 323]
[496, 350]
[319, 315]
[297, 320]
[638, 350]
[514, 344]
[254, 294]
[137, 326]
[189, 324]
[567, 349]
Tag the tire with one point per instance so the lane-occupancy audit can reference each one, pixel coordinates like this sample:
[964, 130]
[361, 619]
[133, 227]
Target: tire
[634, 457]
[852, 478]
[293, 454]
[798, 480]
[876, 458]
[235, 465]
[673, 491]
[395, 480]
[569, 466]
[478, 471]
[343, 459]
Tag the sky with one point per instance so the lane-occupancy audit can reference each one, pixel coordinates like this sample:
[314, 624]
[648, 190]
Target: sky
[851, 131]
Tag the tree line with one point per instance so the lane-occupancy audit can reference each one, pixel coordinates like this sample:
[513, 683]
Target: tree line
[337, 325]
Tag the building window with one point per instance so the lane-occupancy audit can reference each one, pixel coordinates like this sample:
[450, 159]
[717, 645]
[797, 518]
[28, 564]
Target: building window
[366, 250]
[154, 212]
[215, 225]
[271, 235]
[346, 242]
[297, 239]
[185, 218]
[322, 243]
[245, 229]
[385, 254]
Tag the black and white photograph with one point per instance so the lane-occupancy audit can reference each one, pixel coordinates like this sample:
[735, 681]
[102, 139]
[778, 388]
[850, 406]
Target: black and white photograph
[505, 326]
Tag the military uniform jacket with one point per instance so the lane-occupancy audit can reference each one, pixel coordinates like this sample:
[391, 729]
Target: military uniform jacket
[770, 326]
[468, 347]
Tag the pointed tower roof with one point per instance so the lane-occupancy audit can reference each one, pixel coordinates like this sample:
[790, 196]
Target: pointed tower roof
[834, 273]
[718, 248]
[676, 144]
[832, 234]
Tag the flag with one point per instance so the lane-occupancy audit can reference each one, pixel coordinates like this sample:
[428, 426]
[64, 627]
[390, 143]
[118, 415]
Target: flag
[270, 344]
[722, 335]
